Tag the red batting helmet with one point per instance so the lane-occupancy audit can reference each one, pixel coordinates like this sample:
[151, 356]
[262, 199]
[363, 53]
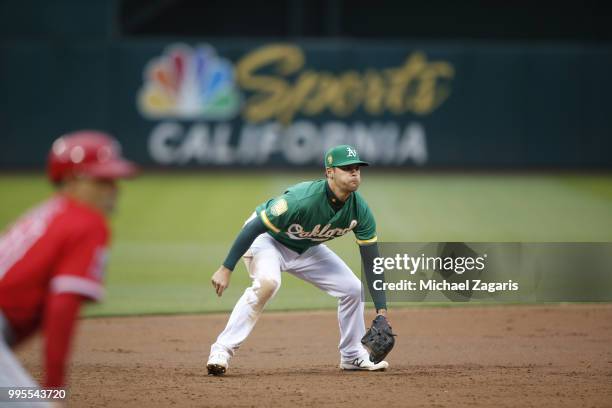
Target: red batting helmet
[94, 153]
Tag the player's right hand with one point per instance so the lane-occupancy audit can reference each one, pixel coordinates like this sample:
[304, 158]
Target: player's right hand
[220, 279]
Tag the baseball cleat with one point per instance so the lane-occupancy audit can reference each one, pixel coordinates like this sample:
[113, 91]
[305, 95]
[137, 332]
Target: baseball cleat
[217, 364]
[363, 363]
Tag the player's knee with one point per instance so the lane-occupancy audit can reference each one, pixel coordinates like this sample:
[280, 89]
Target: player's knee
[353, 290]
[267, 288]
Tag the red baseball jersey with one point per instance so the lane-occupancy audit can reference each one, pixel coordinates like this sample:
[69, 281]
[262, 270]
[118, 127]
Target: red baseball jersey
[58, 247]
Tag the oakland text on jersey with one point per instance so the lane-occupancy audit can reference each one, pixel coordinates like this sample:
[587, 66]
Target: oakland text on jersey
[296, 231]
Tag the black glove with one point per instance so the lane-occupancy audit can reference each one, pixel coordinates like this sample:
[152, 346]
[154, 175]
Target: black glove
[379, 339]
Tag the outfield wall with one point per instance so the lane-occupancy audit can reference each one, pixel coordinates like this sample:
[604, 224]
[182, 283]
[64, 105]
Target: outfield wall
[223, 103]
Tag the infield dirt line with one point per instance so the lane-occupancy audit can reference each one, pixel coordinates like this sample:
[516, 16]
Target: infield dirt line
[478, 356]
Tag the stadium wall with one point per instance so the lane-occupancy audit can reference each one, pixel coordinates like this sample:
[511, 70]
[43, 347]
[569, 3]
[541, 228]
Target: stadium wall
[246, 103]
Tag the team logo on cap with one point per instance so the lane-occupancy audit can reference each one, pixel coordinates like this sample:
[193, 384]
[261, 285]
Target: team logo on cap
[189, 83]
[351, 152]
[330, 159]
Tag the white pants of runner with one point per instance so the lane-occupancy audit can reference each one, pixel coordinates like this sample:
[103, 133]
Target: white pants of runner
[12, 374]
[265, 260]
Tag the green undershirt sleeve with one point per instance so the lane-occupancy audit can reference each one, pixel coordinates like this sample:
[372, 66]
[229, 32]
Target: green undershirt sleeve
[243, 241]
[368, 253]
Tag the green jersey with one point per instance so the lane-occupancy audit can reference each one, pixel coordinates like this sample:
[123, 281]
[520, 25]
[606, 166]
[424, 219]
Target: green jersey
[303, 217]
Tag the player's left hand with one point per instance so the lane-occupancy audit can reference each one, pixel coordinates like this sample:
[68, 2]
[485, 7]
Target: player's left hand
[379, 339]
[382, 312]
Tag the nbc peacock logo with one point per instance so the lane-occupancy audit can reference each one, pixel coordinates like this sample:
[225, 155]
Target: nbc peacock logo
[189, 83]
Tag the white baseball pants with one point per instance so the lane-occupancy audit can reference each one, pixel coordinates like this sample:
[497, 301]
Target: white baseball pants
[12, 374]
[265, 260]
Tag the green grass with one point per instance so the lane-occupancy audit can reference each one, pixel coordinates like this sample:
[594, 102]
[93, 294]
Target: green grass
[172, 231]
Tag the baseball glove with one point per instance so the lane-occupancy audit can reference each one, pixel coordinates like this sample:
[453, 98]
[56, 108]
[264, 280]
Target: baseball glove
[379, 339]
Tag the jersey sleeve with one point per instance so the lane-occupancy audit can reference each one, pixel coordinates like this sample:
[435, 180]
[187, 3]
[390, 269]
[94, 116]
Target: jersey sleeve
[366, 225]
[80, 269]
[277, 214]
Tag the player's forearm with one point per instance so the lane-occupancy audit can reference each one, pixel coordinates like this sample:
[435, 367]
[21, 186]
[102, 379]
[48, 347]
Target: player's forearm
[243, 241]
[368, 253]
[60, 320]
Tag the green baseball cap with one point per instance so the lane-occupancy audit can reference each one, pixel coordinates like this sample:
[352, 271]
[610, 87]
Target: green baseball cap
[343, 155]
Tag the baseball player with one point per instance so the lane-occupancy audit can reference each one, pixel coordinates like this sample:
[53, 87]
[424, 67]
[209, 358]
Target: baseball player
[52, 259]
[287, 233]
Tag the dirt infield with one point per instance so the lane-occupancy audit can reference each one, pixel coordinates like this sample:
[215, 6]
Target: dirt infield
[467, 356]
